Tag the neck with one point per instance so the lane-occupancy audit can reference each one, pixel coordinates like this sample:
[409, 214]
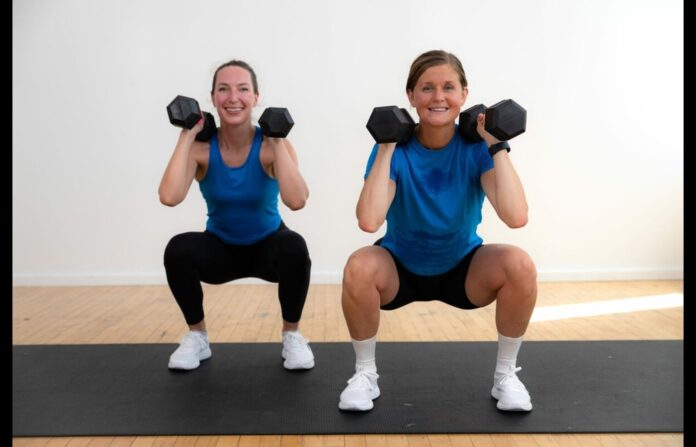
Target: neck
[434, 137]
[235, 138]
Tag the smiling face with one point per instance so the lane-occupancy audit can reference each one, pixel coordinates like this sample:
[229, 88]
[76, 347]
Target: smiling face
[234, 95]
[438, 95]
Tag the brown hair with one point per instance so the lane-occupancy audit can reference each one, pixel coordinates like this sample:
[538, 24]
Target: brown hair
[241, 64]
[433, 58]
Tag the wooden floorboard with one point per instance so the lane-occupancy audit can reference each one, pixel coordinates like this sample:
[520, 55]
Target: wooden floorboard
[250, 313]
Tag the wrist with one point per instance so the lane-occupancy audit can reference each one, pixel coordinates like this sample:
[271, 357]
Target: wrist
[497, 147]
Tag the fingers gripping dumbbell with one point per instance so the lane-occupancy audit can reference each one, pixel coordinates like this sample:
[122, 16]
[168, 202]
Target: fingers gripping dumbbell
[390, 124]
[185, 112]
[504, 120]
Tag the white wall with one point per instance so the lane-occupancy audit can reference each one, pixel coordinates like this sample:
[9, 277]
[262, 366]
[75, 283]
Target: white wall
[602, 158]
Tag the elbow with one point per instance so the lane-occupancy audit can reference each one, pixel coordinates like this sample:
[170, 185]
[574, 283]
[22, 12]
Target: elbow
[367, 226]
[517, 221]
[296, 205]
[168, 200]
[295, 200]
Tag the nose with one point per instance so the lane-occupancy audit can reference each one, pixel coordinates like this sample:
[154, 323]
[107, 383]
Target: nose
[232, 95]
[438, 94]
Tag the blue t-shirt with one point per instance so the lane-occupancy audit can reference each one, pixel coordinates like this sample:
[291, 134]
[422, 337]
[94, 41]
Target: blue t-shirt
[431, 224]
[242, 201]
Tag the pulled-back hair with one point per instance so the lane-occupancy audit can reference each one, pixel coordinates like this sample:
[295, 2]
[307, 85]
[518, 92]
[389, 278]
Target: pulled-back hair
[433, 58]
[241, 64]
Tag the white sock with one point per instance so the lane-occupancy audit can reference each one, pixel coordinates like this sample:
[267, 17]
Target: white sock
[508, 348]
[284, 333]
[365, 354]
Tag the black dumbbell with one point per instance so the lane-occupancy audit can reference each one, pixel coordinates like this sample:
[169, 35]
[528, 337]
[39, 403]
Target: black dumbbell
[276, 122]
[390, 124]
[504, 120]
[185, 112]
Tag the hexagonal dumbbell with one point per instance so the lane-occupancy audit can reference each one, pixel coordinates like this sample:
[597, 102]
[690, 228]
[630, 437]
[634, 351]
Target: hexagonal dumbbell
[185, 112]
[276, 122]
[390, 124]
[504, 120]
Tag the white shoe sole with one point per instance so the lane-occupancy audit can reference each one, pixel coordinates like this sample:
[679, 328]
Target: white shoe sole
[205, 355]
[359, 406]
[517, 407]
[293, 366]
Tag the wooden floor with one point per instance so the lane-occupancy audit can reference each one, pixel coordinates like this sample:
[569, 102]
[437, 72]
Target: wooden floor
[250, 313]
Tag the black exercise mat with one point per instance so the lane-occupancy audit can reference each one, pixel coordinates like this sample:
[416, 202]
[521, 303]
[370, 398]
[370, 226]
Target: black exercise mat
[427, 387]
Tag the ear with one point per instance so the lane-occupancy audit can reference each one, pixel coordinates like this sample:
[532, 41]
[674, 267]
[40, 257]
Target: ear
[465, 93]
[256, 98]
[411, 98]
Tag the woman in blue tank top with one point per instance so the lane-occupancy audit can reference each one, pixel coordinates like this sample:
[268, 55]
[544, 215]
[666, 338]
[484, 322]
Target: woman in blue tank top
[240, 173]
[430, 191]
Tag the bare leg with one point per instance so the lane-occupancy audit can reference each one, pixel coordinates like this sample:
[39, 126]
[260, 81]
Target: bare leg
[370, 280]
[290, 326]
[507, 275]
[200, 326]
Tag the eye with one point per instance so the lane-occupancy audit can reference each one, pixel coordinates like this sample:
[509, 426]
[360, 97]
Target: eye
[427, 88]
[449, 87]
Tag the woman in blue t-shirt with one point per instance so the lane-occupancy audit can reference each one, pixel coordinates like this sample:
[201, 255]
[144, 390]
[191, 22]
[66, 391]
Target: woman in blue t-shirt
[240, 173]
[430, 190]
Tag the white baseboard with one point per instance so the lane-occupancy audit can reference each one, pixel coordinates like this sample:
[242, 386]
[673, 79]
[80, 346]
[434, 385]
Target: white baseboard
[611, 275]
[326, 277]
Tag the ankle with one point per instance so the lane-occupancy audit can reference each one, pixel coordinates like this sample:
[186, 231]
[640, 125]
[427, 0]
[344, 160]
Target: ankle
[203, 334]
[368, 366]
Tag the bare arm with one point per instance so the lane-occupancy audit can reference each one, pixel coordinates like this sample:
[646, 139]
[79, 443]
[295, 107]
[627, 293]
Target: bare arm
[181, 169]
[293, 188]
[378, 191]
[503, 186]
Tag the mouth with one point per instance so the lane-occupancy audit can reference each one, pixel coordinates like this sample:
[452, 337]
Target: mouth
[438, 109]
[233, 109]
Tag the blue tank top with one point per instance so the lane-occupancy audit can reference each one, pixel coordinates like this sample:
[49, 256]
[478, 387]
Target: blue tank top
[431, 224]
[242, 201]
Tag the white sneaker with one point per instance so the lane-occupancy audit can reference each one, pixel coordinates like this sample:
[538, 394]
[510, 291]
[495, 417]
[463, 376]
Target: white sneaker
[296, 352]
[511, 392]
[193, 348]
[362, 389]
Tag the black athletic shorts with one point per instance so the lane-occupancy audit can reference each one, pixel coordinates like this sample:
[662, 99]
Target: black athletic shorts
[447, 287]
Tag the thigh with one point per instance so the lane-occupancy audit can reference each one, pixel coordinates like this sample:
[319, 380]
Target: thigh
[373, 264]
[284, 245]
[488, 272]
[451, 288]
[215, 261]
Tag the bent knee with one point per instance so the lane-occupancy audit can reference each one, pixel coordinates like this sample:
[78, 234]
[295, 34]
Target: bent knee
[520, 266]
[293, 245]
[177, 248]
[360, 269]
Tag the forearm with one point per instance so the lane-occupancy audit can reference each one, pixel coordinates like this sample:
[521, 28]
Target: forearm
[375, 199]
[293, 188]
[175, 182]
[511, 203]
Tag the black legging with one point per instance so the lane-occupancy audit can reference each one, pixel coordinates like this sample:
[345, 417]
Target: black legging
[281, 257]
